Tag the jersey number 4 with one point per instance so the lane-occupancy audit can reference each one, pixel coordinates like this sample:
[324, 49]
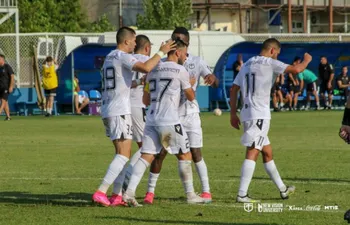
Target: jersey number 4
[108, 79]
[250, 79]
[163, 84]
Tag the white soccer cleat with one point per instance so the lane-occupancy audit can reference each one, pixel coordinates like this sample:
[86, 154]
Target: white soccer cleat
[245, 199]
[192, 198]
[131, 201]
[290, 190]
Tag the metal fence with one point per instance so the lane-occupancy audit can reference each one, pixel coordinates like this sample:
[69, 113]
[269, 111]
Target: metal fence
[56, 45]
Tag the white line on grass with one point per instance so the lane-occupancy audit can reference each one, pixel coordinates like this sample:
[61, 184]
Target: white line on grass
[340, 183]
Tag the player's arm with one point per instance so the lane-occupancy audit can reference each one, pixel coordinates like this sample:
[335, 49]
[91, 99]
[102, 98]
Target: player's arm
[300, 67]
[147, 66]
[341, 85]
[208, 76]
[331, 76]
[235, 122]
[138, 82]
[186, 86]
[189, 93]
[12, 79]
[146, 98]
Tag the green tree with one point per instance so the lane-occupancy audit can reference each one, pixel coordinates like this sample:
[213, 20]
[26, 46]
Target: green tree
[54, 16]
[164, 14]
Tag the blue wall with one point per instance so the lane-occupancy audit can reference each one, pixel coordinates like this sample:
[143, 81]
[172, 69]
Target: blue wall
[337, 53]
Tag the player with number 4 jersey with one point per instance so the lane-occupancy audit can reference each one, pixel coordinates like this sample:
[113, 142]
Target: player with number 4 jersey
[163, 128]
[255, 80]
[116, 80]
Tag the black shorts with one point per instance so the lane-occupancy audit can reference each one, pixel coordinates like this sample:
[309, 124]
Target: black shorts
[4, 94]
[324, 88]
[51, 92]
[292, 88]
[310, 87]
[275, 88]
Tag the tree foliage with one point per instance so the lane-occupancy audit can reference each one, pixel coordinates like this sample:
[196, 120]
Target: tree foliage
[164, 14]
[54, 16]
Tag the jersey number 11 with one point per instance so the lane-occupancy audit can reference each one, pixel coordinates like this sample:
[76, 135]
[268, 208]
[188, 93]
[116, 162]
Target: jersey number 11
[250, 79]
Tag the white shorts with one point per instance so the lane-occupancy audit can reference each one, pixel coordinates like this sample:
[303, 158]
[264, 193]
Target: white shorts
[255, 133]
[193, 127]
[118, 127]
[172, 138]
[138, 116]
[81, 99]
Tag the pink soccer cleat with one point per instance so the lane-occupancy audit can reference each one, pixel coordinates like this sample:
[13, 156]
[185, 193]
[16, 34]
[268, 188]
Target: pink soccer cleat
[206, 197]
[149, 198]
[117, 200]
[100, 198]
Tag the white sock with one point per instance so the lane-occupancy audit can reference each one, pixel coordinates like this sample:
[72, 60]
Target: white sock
[132, 163]
[113, 171]
[138, 171]
[247, 172]
[152, 182]
[317, 104]
[49, 110]
[185, 172]
[118, 182]
[202, 171]
[272, 171]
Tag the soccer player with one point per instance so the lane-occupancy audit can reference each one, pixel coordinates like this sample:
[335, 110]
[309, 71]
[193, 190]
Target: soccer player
[343, 82]
[81, 100]
[344, 131]
[308, 78]
[7, 83]
[50, 83]
[190, 119]
[326, 75]
[163, 128]
[293, 84]
[116, 110]
[255, 80]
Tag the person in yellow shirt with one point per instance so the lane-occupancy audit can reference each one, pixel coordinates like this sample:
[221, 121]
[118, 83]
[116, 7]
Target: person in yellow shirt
[81, 100]
[50, 83]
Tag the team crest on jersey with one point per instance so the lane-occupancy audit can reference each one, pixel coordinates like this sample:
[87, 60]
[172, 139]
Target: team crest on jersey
[191, 66]
[259, 124]
[178, 129]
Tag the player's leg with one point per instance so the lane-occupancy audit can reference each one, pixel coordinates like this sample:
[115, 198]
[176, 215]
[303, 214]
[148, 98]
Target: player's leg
[330, 97]
[3, 104]
[192, 125]
[295, 100]
[151, 146]
[271, 169]
[280, 98]
[323, 89]
[85, 101]
[7, 111]
[313, 89]
[119, 130]
[47, 100]
[253, 138]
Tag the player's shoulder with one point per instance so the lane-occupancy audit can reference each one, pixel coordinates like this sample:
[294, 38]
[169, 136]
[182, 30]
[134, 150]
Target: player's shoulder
[141, 57]
[195, 59]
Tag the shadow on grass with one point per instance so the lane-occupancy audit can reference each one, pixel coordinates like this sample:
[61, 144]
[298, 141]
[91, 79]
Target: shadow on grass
[69, 199]
[165, 221]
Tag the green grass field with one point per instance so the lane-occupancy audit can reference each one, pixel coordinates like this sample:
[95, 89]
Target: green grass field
[51, 166]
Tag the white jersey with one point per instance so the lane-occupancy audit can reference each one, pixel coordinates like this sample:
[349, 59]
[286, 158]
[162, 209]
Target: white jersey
[166, 82]
[137, 92]
[255, 80]
[116, 83]
[196, 67]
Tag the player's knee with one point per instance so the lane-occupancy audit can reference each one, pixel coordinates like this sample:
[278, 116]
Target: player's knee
[196, 154]
[252, 154]
[185, 156]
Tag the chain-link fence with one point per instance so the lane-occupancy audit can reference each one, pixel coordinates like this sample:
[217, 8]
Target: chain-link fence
[59, 45]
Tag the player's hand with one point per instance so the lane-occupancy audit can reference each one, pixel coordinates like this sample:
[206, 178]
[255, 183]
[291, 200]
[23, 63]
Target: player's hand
[168, 46]
[143, 79]
[329, 85]
[210, 79]
[307, 57]
[344, 133]
[193, 81]
[235, 122]
[10, 90]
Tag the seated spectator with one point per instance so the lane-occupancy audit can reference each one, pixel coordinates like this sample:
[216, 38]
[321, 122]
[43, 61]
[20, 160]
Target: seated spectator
[81, 100]
[343, 82]
[293, 85]
[277, 94]
[308, 78]
[287, 98]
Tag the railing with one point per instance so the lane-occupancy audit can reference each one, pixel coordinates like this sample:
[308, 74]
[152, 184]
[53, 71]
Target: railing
[8, 3]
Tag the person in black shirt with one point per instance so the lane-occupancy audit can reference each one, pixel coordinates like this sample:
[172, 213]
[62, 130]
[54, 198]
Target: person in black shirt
[293, 85]
[7, 82]
[237, 65]
[326, 75]
[343, 82]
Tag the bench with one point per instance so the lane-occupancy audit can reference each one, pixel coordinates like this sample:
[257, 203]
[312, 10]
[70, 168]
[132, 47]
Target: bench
[25, 98]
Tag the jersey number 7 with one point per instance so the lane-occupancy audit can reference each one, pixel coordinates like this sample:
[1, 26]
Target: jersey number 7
[163, 84]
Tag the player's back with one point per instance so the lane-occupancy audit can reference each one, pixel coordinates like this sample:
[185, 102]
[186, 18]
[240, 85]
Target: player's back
[255, 79]
[165, 84]
[116, 83]
[137, 92]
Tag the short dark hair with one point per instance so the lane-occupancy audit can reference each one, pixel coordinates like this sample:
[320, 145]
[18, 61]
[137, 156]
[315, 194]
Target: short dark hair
[271, 42]
[179, 44]
[49, 59]
[344, 67]
[323, 56]
[123, 33]
[181, 30]
[2, 56]
[297, 58]
[141, 42]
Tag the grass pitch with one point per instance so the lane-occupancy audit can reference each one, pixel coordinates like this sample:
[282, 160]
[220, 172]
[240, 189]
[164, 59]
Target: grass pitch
[51, 166]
